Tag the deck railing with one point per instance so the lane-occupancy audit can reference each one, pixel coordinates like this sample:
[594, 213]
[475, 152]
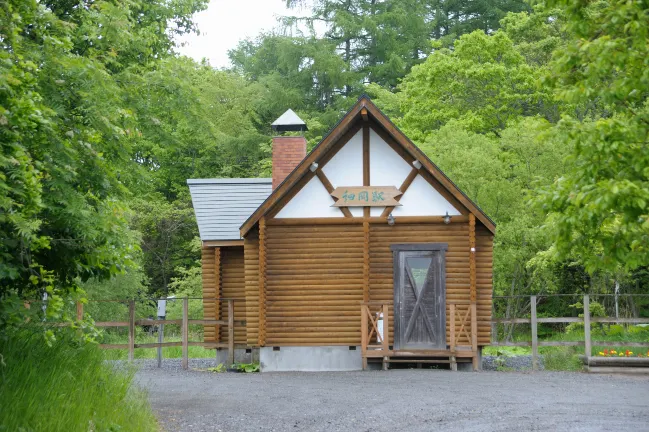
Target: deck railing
[463, 341]
[463, 327]
[374, 343]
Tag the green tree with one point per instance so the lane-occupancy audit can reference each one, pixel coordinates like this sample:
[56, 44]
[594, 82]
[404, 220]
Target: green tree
[601, 206]
[484, 83]
[67, 135]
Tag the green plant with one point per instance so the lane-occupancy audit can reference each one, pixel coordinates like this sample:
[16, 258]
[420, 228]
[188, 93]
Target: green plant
[66, 387]
[246, 367]
[218, 369]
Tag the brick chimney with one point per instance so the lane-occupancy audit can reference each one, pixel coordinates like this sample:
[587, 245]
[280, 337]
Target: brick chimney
[288, 151]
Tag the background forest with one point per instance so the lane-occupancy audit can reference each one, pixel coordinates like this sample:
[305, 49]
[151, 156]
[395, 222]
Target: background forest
[537, 111]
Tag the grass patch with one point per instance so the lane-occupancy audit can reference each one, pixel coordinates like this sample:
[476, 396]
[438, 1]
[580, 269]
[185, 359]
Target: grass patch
[66, 387]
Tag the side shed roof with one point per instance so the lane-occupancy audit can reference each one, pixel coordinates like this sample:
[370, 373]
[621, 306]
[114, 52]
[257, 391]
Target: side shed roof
[222, 205]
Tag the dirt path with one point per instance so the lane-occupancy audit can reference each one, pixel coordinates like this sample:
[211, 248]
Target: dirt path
[411, 400]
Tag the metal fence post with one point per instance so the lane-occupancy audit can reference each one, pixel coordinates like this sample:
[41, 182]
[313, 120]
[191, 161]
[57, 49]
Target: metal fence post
[587, 348]
[535, 341]
[131, 330]
[185, 333]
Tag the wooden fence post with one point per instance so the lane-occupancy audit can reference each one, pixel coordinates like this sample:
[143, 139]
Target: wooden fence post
[535, 341]
[587, 348]
[230, 332]
[131, 330]
[185, 333]
[79, 311]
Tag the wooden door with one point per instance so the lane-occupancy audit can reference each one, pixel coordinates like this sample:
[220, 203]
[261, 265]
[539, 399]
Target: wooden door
[419, 296]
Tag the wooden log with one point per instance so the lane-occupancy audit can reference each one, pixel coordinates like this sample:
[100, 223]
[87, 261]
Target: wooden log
[262, 282]
[230, 332]
[622, 370]
[360, 220]
[364, 340]
[79, 311]
[636, 362]
[474, 337]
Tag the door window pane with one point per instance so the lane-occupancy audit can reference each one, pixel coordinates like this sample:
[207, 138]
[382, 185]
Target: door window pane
[419, 269]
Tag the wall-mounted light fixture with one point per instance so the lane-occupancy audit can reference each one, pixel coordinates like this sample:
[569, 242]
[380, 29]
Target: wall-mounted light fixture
[314, 166]
[390, 219]
[416, 164]
[447, 218]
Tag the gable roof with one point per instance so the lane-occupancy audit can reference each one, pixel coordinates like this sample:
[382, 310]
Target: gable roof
[364, 107]
[222, 205]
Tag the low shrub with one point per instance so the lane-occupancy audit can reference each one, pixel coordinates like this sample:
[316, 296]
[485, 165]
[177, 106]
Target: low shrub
[66, 387]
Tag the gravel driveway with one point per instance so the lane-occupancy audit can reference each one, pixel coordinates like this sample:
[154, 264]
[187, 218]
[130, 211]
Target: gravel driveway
[409, 400]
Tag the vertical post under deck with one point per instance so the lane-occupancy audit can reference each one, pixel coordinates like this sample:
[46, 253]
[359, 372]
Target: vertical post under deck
[385, 336]
[452, 327]
[474, 335]
[230, 332]
[364, 336]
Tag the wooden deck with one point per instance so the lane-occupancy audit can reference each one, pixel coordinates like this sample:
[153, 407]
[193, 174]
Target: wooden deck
[463, 341]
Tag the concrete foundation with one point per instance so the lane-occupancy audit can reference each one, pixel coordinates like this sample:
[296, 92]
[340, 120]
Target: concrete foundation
[310, 359]
[241, 355]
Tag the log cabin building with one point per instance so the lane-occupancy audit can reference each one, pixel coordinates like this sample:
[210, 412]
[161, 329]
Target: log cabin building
[362, 252]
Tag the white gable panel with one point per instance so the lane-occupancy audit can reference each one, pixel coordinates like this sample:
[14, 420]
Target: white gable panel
[312, 200]
[356, 211]
[421, 199]
[345, 168]
[387, 168]
[376, 211]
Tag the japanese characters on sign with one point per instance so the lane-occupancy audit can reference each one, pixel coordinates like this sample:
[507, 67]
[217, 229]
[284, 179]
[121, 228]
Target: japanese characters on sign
[366, 196]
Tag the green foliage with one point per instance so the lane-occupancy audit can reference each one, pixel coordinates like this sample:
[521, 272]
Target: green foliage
[246, 367]
[600, 208]
[66, 387]
[67, 131]
[220, 368]
[483, 83]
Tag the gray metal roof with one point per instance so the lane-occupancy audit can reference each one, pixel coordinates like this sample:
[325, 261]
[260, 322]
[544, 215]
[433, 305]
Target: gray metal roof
[222, 205]
[289, 121]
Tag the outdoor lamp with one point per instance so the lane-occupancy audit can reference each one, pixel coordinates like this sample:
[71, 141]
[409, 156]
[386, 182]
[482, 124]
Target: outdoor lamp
[447, 218]
[313, 167]
[390, 219]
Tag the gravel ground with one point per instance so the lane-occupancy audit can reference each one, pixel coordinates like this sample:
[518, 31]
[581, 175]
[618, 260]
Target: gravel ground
[517, 363]
[412, 400]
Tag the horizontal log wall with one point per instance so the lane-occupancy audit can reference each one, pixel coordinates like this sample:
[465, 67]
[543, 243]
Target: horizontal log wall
[233, 286]
[251, 257]
[209, 291]
[484, 279]
[314, 285]
[457, 267]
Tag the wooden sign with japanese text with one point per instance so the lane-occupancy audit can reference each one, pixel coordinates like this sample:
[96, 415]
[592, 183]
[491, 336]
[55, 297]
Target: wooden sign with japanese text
[366, 196]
